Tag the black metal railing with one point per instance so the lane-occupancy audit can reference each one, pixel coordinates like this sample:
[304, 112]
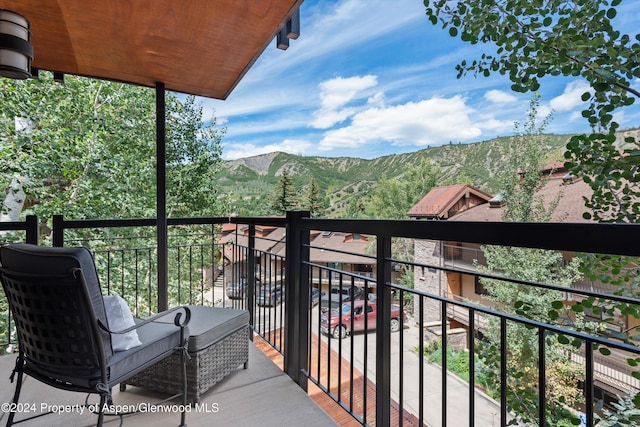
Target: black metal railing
[205, 266]
[400, 386]
[14, 232]
[379, 368]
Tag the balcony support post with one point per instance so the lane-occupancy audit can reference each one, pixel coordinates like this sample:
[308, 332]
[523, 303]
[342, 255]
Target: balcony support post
[161, 199]
[296, 344]
[383, 335]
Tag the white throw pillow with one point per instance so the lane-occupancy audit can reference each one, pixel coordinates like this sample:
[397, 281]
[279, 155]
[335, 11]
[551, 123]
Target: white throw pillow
[119, 317]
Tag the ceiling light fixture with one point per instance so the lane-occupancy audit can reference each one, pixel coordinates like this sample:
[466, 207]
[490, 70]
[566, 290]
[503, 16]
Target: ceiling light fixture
[291, 30]
[16, 52]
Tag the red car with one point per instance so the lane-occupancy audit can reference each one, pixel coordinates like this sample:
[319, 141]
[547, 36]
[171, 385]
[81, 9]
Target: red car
[338, 324]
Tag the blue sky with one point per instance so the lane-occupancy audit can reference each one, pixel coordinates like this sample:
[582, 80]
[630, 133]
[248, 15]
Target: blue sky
[369, 78]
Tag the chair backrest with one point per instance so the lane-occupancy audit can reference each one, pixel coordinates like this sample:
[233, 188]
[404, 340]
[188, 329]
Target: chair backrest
[55, 298]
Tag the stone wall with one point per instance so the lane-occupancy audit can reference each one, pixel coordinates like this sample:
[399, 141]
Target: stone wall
[427, 279]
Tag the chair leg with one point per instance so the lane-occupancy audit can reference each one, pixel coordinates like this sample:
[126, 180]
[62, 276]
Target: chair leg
[103, 401]
[16, 396]
[183, 422]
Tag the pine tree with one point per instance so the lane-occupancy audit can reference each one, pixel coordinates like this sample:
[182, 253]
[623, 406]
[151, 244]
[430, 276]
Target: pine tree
[284, 196]
[313, 199]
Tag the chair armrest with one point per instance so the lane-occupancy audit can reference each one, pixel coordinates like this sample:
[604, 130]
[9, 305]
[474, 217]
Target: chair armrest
[178, 321]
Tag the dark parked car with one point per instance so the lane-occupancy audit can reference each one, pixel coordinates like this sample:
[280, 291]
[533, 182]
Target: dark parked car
[339, 295]
[316, 294]
[238, 290]
[270, 295]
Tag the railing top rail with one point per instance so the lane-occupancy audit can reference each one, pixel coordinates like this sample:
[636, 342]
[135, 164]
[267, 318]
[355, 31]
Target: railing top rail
[13, 226]
[150, 222]
[618, 239]
[107, 223]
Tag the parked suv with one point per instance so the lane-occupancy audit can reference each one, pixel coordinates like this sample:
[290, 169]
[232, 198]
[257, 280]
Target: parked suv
[339, 295]
[238, 290]
[358, 316]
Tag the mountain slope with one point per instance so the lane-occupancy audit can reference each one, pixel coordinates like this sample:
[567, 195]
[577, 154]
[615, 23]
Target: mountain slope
[249, 181]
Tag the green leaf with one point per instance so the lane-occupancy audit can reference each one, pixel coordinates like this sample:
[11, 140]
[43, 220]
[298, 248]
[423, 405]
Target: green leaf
[604, 351]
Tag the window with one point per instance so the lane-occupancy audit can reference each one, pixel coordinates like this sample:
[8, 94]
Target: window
[479, 289]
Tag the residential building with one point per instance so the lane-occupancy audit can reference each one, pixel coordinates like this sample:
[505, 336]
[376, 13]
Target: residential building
[561, 188]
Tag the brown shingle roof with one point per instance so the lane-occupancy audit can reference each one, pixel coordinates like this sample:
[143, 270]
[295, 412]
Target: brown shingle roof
[570, 205]
[440, 200]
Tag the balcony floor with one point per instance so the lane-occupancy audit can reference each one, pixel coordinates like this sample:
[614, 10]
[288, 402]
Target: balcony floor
[260, 395]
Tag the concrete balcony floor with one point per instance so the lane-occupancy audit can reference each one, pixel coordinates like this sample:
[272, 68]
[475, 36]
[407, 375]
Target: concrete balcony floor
[260, 395]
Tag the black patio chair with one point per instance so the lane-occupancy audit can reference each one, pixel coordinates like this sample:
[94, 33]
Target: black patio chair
[64, 338]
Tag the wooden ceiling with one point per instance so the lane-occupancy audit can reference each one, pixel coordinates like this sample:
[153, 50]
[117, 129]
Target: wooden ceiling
[200, 47]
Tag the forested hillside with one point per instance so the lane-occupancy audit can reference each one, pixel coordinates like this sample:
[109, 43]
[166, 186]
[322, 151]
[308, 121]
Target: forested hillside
[249, 181]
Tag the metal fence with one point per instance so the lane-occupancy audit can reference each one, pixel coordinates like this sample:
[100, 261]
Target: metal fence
[398, 354]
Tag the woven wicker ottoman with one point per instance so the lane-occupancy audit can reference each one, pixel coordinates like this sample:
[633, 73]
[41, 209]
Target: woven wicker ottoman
[218, 344]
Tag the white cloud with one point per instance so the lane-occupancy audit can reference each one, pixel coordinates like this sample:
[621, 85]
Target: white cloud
[292, 146]
[324, 119]
[433, 121]
[571, 97]
[335, 94]
[500, 97]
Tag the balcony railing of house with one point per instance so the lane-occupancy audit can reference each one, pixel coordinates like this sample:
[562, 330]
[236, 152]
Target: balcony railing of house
[380, 376]
[461, 257]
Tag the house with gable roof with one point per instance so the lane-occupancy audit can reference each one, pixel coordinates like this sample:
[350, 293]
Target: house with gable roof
[441, 203]
[613, 375]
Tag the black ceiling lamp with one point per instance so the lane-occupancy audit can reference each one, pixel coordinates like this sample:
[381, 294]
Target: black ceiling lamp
[291, 30]
[16, 52]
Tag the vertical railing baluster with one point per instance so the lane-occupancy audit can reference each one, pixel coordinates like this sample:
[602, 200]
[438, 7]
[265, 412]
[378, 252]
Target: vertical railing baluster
[472, 368]
[58, 231]
[31, 230]
[542, 378]
[179, 260]
[251, 272]
[401, 362]
[588, 384]
[421, 358]
[503, 371]
[443, 353]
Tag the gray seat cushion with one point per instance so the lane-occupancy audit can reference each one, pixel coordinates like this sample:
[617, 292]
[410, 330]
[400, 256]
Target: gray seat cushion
[157, 340]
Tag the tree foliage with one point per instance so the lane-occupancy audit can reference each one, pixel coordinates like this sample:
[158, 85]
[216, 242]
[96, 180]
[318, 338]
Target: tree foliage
[193, 158]
[313, 200]
[284, 196]
[393, 198]
[86, 148]
[574, 38]
[521, 180]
